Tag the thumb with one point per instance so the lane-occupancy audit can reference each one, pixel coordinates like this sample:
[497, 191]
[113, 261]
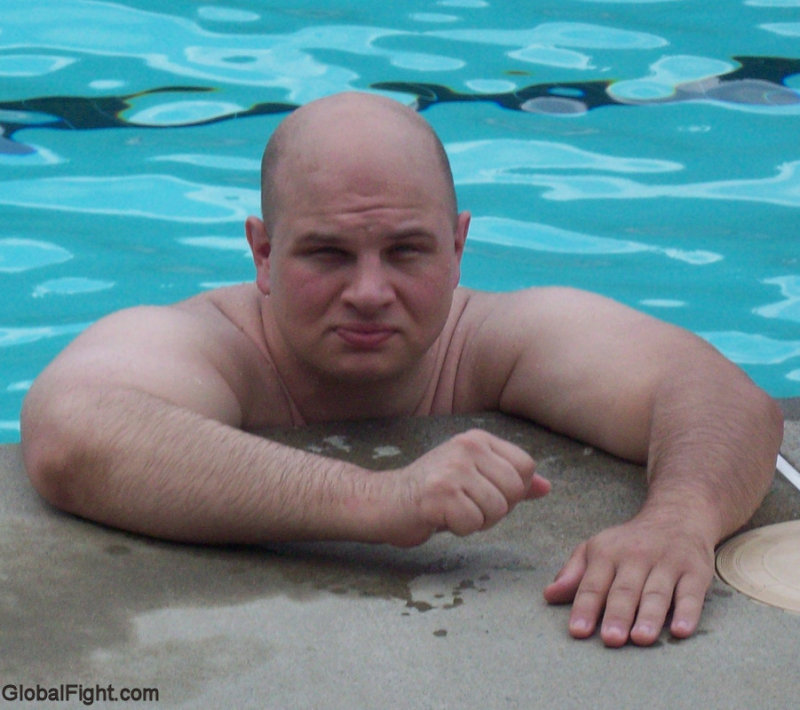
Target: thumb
[538, 487]
[563, 588]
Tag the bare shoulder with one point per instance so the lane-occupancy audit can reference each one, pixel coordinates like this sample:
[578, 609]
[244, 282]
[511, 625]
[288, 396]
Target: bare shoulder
[202, 353]
[542, 334]
[194, 328]
[500, 323]
[543, 303]
[511, 319]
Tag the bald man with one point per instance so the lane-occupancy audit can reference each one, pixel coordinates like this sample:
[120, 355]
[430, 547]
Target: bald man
[143, 421]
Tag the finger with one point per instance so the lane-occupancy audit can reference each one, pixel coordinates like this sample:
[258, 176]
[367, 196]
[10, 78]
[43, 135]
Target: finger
[513, 471]
[498, 474]
[590, 598]
[563, 588]
[539, 487]
[622, 603]
[654, 606]
[690, 596]
[520, 459]
[507, 467]
[489, 497]
[462, 516]
[525, 466]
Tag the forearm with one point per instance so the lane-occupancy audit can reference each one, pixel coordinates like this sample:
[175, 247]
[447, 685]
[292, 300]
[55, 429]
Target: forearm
[133, 461]
[714, 439]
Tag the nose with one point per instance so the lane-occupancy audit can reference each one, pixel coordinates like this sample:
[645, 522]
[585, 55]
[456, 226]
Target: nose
[369, 289]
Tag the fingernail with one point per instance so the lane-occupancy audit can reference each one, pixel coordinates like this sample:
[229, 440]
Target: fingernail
[613, 632]
[681, 628]
[579, 625]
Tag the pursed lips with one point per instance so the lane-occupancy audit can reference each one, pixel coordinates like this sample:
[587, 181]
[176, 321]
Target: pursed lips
[365, 335]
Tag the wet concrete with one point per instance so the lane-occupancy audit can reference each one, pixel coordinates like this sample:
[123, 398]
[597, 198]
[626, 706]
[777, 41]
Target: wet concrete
[453, 623]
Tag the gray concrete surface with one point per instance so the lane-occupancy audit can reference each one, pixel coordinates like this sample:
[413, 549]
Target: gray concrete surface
[455, 623]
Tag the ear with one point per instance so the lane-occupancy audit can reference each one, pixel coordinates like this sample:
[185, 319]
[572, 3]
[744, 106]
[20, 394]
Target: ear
[260, 247]
[462, 227]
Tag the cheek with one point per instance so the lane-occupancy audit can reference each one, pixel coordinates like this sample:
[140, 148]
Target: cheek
[303, 294]
[430, 299]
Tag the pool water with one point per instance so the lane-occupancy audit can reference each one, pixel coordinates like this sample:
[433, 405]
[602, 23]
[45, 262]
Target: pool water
[647, 150]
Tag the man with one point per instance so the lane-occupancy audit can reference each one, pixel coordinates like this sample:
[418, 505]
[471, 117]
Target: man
[143, 421]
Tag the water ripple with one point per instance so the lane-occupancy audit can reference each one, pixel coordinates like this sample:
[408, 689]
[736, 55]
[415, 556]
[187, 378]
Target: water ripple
[17, 255]
[19, 336]
[782, 189]
[785, 29]
[220, 243]
[184, 48]
[29, 65]
[182, 113]
[579, 35]
[150, 196]
[752, 349]
[789, 308]
[69, 286]
[207, 160]
[218, 13]
[668, 73]
[513, 161]
[542, 237]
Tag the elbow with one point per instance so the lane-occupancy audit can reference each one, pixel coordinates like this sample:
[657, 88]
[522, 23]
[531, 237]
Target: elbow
[48, 453]
[46, 473]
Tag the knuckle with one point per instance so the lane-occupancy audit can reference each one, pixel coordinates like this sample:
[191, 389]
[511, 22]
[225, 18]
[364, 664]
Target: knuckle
[471, 440]
[512, 494]
[590, 590]
[442, 485]
[498, 510]
[626, 590]
[656, 598]
[463, 522]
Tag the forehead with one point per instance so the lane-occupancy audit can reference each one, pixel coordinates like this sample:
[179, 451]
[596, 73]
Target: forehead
[362, 174]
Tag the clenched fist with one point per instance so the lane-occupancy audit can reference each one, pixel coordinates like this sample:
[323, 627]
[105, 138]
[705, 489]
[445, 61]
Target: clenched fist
[466, 484]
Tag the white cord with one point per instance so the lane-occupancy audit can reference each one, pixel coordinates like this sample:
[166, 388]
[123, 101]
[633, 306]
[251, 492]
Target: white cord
[790, 472]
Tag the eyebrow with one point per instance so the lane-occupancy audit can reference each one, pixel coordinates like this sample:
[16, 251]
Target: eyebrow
[334, 238]
[313, 238]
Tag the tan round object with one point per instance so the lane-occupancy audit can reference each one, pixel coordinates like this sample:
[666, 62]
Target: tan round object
[764, 564]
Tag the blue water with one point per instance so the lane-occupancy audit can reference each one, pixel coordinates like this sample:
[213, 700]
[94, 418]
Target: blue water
[646, 150]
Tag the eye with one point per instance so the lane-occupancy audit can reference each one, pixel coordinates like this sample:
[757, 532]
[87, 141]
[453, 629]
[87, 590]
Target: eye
[406, 250]
[327, 253]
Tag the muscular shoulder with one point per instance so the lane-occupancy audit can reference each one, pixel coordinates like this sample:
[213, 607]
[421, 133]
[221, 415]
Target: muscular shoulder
[208, 325]
[495, 331]
[237, 305]
[202, 353]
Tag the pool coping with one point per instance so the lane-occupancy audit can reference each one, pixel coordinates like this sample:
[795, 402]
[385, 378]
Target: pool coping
[452, 623]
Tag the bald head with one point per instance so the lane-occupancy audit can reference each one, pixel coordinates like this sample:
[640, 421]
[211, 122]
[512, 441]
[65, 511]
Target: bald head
[351, 127]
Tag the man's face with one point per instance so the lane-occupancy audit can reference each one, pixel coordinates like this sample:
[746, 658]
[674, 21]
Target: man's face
[364, 256]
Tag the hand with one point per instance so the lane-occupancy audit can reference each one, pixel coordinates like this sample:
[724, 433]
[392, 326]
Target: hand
[466, 484]
[635, 572]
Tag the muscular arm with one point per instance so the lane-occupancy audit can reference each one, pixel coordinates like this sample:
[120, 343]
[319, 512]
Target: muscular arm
[138, 425]
[646, 391]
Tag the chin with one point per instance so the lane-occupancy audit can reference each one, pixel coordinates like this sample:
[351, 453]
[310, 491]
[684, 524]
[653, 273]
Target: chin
[364, 375]
[363, 370]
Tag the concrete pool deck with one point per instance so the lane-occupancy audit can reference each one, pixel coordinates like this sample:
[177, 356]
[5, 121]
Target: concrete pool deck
[455, 623]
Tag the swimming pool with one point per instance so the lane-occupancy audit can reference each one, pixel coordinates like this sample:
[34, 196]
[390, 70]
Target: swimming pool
[647, 150]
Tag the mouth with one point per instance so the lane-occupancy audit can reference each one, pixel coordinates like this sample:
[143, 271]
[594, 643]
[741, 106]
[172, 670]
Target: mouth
[363, 336]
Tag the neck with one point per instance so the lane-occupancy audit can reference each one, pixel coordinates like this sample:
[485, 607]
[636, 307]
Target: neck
[319, 399]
